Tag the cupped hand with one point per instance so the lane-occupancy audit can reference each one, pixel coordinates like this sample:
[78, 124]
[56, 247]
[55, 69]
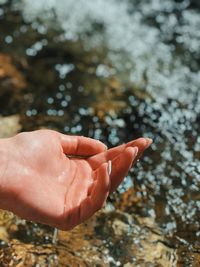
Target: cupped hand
[62, 180]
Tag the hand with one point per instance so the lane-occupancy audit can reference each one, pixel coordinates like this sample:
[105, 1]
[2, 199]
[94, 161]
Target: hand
[46, 182]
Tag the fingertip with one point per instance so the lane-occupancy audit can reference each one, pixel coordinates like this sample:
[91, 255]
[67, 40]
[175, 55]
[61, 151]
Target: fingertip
[143, 142]
[149, 141]
[103, 146]
[139, 141]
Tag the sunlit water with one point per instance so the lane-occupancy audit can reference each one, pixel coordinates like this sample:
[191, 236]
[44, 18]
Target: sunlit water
[151, 46]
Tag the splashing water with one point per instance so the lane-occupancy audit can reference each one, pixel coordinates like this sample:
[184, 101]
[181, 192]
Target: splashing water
[150, 32]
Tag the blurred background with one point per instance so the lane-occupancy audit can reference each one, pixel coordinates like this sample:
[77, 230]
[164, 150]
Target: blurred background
[112, 70]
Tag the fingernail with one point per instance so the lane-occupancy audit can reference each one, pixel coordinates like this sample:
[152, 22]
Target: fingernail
[109, 167]
[149, 141]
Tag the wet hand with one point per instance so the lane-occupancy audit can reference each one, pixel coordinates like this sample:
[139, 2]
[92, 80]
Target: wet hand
[46, 182]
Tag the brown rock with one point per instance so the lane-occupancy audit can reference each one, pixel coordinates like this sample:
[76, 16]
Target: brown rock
[8, 72]
[9, 126]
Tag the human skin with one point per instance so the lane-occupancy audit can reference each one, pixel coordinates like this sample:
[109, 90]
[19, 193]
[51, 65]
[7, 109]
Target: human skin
[61, 180]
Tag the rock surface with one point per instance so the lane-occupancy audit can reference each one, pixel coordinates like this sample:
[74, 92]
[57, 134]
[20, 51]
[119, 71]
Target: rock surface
[98, 242]
[9, 126]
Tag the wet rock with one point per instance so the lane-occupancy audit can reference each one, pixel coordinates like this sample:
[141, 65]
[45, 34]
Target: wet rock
[9, 75]
[11, 84]
[3, 234]
[120, 227]
[117, 239]
[111, 238]
[19, 254]
[110, 99]
[81, 247]
[131, 200]
[7, 219]
[9, 126]
[134, 240]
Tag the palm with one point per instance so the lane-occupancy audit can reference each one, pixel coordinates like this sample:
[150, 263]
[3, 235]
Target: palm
[61, 190]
